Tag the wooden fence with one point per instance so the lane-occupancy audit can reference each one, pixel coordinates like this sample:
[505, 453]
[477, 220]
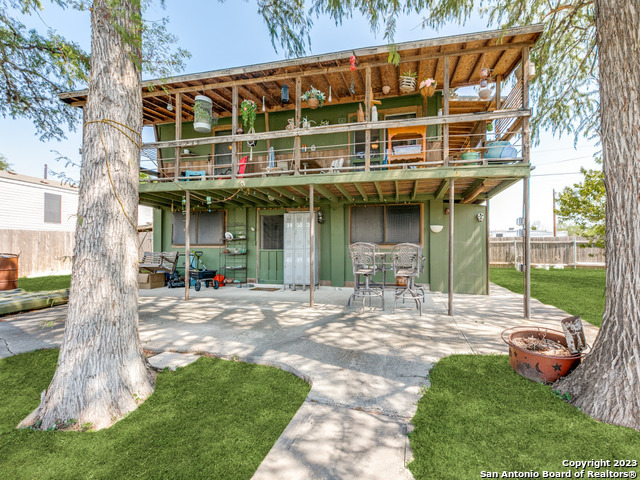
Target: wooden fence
[566, 251]
[49, 253]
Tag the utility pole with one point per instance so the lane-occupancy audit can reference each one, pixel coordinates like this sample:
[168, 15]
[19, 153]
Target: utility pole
[554, 213]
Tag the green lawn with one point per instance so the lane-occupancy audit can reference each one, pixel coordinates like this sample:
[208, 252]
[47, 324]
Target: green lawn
[577, 291]
[39, 284]
[214, 419]
[478, 415]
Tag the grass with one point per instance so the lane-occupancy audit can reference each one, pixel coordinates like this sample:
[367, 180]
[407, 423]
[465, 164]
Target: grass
[576, 291]
[478, 415]
[213, 419]
[40, 284]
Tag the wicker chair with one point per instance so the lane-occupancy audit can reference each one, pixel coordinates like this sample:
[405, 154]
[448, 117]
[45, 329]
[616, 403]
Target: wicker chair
[407, 263]
[365, 264]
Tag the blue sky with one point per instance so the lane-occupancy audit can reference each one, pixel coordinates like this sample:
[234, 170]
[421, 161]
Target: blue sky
[229, 34]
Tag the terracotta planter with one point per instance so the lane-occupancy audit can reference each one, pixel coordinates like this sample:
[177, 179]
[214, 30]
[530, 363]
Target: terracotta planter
[428, 91]
[536, 366]
[313, 103]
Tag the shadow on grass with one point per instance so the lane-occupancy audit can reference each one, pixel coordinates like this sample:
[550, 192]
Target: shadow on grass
[478, 415]
[213, 419]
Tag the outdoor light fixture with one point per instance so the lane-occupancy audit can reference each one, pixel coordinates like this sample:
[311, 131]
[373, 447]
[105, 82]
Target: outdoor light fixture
[436, 228]
[284, 93]
[320, 216]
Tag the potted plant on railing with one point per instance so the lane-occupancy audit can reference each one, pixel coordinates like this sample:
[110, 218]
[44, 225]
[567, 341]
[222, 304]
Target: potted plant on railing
[314, 97]
[408, 81]
[248, 110]
[428, 87]
[202, 114]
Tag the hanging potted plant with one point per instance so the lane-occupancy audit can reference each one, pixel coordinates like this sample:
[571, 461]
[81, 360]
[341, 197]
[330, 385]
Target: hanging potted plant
[408, 81]
[314, 97]
[428, 87]
[248, 110]
[202, 114]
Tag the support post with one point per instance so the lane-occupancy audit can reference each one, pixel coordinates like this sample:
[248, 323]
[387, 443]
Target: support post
[176, 162]
[575, 253]
[312, 250]
[298, 116]
[234, 129]
[451, 209]
[187, 244]
[526, 156]
[367, 118]
[487, 235]
[555, 229]
[445, 111]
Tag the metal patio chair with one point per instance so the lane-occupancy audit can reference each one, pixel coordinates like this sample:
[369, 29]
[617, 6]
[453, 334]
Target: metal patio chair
[365, 264]
[407, 263]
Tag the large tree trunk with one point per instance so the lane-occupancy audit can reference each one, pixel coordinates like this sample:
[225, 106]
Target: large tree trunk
[607, 384]
[102, 373]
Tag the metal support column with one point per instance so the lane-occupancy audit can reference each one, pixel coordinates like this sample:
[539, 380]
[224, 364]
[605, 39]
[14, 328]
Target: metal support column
[312, 250]
[526, 157]
[445, 111]
[187, 244]
[451, 209]
[234, 128]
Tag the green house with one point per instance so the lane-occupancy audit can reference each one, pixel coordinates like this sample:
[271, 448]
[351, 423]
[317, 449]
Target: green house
[381, 160]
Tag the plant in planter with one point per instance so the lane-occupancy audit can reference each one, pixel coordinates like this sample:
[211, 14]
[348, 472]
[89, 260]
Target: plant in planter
[428, 87]
[248, 110]
[408, 81]
[314, 97]
[202, 114]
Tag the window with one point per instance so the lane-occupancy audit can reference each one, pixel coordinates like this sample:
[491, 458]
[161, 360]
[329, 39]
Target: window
[386, 224]
[52, 208]
[272, 232]
[205, 228]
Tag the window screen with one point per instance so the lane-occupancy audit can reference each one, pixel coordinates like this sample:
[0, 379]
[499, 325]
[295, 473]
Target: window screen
[52, 208]
[205, 228]
[386, 224]
[402, 224]
[210, 228]
[367, 224]
[272, 232]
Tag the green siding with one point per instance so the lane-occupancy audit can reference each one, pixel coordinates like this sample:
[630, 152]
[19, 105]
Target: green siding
[469, 248]
[335, 263]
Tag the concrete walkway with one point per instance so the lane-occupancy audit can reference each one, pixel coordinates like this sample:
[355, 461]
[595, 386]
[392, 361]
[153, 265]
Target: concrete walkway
[366, 366]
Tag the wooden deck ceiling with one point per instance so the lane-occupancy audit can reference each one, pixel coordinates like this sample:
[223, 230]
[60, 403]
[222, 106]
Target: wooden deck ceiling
[499, 51]
[472, 184]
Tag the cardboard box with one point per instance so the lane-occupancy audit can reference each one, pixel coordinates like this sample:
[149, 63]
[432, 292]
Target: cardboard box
[148, 281]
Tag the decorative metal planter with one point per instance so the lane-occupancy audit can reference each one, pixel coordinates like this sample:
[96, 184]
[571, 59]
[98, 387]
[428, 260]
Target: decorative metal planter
[537, 366]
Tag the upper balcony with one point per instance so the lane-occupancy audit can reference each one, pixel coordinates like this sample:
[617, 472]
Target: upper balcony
[370, 128]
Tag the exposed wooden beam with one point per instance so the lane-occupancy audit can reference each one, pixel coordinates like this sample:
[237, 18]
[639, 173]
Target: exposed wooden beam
[344, 192]
[301, 190]
[290, 195]
[326, 193]
[397, 189]
[415, 190]
[442, 188]
[501, 187]
[473, 191]
[362, 192]
[379, 190]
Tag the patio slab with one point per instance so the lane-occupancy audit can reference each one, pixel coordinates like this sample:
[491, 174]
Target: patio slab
[366, 366]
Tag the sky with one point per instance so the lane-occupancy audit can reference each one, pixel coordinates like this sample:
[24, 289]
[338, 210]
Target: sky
[232, 34]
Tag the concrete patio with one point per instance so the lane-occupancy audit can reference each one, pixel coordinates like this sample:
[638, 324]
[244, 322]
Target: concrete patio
[366, 366]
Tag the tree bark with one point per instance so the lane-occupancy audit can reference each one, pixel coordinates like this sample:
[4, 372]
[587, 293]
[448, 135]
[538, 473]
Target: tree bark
[102, 373]
[606, 385]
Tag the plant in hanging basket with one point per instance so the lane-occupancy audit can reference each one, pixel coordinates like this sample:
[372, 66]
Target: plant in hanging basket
[248, 110]
[202, 114]
[428, 87]
[314, 97]
[408, 81]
